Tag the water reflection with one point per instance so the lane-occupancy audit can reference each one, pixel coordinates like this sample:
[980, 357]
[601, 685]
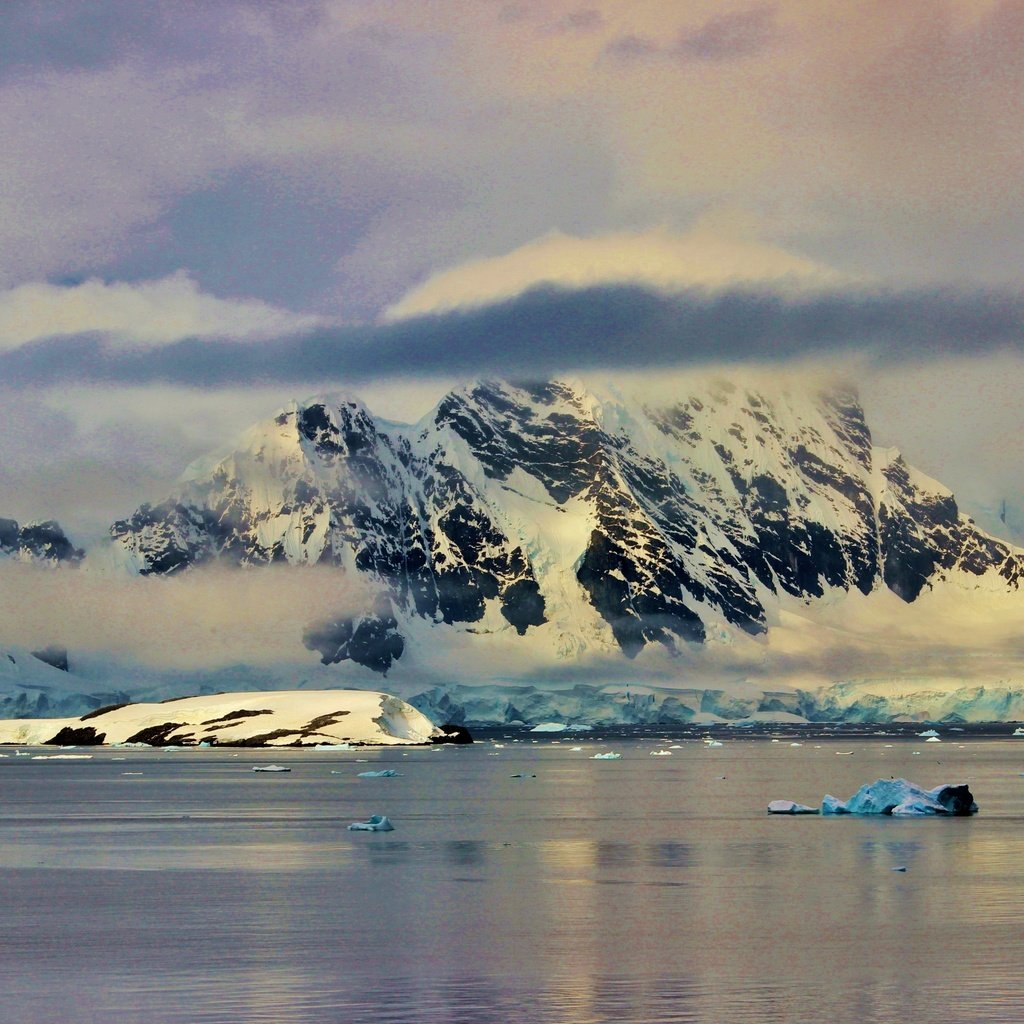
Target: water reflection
[600, 892]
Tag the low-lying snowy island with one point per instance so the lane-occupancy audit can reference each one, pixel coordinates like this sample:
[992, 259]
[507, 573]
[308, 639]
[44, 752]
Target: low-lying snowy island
[281, 718]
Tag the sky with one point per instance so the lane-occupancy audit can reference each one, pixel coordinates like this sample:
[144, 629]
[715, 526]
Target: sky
[208, 209]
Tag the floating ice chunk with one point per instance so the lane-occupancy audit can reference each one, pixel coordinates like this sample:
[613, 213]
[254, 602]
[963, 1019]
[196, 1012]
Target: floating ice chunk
[375, 823]
[928, 733]
[789, 807]
[844, 753]
[550, 727]
[575, 748]
[902, 867]
[1018, 731]
[714, 743]
[333, 746]
[62, 757]
[610, 756]
[796, 744]
[270, 768]
[661, 753]
[933, 739]
[903, 799]
[384, 773]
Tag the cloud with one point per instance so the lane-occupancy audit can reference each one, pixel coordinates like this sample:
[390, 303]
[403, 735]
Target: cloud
[723, 38]
[731, 36]
[550, 330]
[207, 619]
[718, 252]
[138, 314]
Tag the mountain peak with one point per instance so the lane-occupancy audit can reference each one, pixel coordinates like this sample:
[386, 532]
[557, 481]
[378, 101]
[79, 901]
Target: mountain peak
[572, 516]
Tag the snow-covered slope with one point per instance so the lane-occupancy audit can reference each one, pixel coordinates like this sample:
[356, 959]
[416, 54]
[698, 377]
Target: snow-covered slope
[32, 686]
[551, 522]
[281, 718]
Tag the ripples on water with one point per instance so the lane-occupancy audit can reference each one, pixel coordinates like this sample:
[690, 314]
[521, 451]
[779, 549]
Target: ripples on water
[643, 889]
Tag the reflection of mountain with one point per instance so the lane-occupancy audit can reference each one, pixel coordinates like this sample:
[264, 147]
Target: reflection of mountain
[567, 519]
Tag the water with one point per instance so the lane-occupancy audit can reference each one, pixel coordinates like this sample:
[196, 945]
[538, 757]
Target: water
[643, 889]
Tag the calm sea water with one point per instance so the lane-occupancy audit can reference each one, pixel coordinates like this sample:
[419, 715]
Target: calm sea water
[151, 886]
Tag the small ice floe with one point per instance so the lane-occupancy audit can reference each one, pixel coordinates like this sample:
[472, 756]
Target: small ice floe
[796, 744]
[844, 753]
[333, 746]
[933, 739]
[928, 734]
[270, 768]
[522, 775]
[610, 756]
[903, 799]
[375, 823]
[675, 746]
[62, 757]
[22, 753]
[576, 749]
[1019, 731]
[384, 773]
[550, 727]
[131, 773]
[790, 807]
[713, 743]
[661, 753]
[901, 867]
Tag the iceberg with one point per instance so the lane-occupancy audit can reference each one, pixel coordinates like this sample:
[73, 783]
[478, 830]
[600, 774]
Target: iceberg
[610, 756]
[928, 734]
[1018, 731]
[900, 798]
[384, 773]
[933, 739]
[375, 823]
[270, 768]
[790, 807]
[550, 727]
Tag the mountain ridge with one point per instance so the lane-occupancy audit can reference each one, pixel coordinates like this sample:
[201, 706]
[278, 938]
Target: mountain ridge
[595, 519]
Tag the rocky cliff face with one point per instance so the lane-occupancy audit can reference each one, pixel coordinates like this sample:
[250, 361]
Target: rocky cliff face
[533, 508]
[37, 542]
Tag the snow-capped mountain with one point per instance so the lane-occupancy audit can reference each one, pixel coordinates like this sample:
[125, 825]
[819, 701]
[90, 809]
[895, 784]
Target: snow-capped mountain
[558, 518]
[37, 542]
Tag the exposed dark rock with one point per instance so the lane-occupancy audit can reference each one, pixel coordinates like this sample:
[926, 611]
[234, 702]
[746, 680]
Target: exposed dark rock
[54, 656]
[453, 733]
[105, 710]
[157, 735]
[235, 716]
[84, 736]
[44, 541]
[372, 641]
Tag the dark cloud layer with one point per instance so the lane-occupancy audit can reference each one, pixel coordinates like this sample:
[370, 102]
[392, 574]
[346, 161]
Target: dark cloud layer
[550, 330]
